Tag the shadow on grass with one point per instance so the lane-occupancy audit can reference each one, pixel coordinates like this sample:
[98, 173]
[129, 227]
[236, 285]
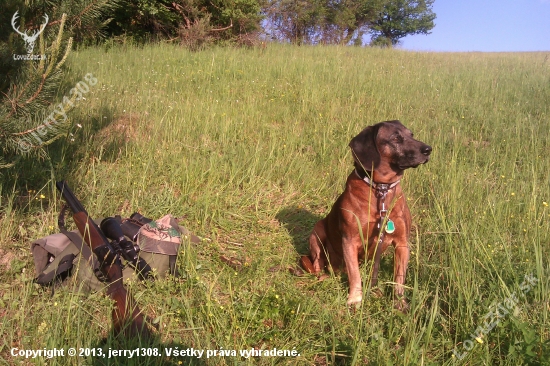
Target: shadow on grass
[299, 223]
[103, 135]
[91, 130]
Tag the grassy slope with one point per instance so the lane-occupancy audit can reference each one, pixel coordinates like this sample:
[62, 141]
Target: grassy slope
[251, 146]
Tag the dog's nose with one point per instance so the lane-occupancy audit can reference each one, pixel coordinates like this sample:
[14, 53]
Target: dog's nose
[426, 150]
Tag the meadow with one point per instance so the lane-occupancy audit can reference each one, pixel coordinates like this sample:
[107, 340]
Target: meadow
[250, 147]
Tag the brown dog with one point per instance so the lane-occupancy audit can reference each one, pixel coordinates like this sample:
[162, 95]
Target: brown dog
[381, 153]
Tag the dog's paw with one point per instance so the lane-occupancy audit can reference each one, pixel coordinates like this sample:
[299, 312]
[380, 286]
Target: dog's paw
[401, 304]
[355, 298]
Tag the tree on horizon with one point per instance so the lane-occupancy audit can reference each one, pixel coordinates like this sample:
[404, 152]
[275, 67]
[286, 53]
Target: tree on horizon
[400, 18]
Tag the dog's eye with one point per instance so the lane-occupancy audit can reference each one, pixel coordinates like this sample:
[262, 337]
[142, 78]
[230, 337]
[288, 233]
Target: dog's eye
[398, 138]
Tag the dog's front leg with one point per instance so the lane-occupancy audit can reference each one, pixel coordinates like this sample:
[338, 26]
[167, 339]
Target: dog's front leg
[399, 272]
[351, 258]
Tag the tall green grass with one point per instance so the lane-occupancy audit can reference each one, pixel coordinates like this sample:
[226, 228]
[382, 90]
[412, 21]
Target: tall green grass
[250, 147]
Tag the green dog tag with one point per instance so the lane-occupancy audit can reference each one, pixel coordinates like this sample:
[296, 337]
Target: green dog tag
[390, 226]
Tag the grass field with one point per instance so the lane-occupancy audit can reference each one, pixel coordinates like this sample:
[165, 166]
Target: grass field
[250, 146]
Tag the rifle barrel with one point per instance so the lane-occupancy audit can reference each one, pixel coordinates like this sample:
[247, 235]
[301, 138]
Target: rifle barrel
[69, 197]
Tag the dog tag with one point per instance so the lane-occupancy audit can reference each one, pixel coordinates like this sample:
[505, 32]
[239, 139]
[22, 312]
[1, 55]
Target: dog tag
[390, 226]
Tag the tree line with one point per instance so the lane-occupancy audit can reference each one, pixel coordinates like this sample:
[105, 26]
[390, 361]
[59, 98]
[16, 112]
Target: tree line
[195, 22]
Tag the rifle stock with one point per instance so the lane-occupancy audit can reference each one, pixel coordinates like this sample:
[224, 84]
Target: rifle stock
[127, 317]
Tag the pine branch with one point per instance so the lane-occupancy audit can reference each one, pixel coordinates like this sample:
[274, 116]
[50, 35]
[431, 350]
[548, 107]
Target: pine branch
[27, 87]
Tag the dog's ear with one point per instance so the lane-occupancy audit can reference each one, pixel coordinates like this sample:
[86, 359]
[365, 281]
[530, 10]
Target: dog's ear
[364, 150]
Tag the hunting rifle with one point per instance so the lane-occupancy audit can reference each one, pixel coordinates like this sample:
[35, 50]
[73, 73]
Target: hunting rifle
[127, 318]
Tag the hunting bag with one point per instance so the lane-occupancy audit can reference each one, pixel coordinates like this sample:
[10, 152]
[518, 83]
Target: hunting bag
[61, 255]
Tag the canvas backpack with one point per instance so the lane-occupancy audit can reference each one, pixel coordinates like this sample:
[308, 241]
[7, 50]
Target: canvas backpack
[58, 256]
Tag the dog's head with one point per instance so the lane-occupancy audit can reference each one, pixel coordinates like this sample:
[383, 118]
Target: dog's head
[389, 142]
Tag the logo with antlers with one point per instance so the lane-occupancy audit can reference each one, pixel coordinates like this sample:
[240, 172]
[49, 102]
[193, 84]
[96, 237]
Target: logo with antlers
[29, 40]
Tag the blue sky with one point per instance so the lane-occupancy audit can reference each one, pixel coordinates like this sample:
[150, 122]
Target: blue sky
[486, 25]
